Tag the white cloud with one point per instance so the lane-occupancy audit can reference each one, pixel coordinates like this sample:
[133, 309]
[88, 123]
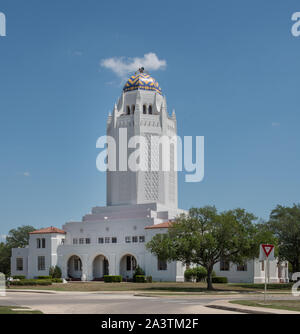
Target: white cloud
[26, 174]
[274, 124]
[122, 66]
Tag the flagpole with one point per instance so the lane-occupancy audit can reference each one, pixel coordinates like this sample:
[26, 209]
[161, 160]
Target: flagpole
[266, 268]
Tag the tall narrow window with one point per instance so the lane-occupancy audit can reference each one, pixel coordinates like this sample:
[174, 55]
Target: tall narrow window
[19, 264]
[128, 110]
[41, 262]
[161, 264]
[43, 243]
[241, 267]
[144, 109]
[224, 265]
[132, 109]
[38, 243]
[150, 110]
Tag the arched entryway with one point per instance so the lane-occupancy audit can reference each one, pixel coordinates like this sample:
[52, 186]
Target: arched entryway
[74, 267]
[128, 264]
[100, 267]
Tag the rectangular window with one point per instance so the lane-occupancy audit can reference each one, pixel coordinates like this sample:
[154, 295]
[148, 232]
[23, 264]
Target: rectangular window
[19, 264]
[161, 264]
[41, 262]
[262, 265]
[43, 243]
[107, 240]
[224, 265]
[100, 240]
[38, 243]
[114, 240]
[241, 267]
[87, 240]
[81, 241]
[134, 239]
[127, 239]
[142, 238]
[75, 241]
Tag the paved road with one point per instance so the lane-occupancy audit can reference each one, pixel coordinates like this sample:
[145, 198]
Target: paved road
[109, 303]
[121, 302]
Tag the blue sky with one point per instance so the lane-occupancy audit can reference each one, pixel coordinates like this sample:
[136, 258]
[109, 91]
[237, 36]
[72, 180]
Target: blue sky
[232, 74]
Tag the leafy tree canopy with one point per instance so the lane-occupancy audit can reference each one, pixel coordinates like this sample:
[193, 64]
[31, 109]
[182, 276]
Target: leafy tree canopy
[204, 237]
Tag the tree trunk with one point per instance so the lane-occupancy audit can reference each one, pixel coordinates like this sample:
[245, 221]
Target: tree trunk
[209, 279]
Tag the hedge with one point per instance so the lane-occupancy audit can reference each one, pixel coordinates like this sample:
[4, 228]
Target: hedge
[112, 278]
[219, 279]
[44, 277]
[149, 279]
[31, 282]
[140, 279]
[56, 280]
[18, 277]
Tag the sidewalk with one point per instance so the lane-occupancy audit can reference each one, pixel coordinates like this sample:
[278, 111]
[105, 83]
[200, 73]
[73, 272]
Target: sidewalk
[226, 305]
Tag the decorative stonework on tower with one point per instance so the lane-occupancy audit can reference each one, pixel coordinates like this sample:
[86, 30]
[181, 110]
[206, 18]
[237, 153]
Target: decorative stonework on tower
[142, 111]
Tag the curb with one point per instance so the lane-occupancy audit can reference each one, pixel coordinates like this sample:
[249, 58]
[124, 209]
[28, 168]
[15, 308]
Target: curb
[236, 309]
[30, 291]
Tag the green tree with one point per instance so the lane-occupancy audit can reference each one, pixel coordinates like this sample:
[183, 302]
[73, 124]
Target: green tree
[16, 238]
[5, 254]
[19, 237]
[55, 272]
[204, 237]
[285, 224]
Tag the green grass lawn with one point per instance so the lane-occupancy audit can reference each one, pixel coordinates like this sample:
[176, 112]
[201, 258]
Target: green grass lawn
[290, 305]
[11, 310]
[165, 287]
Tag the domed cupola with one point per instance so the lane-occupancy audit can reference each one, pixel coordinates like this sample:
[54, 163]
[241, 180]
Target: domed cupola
[143, 81]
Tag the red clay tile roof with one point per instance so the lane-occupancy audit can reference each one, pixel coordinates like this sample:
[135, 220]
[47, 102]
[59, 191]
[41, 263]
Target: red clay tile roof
[161, 225]
[48, 230]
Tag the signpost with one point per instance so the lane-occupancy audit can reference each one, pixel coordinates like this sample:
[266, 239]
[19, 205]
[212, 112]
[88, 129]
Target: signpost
[266, 253]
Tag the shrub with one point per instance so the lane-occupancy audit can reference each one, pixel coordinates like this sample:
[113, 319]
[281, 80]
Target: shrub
[149, 279]
[200, 273]
[112, 278]
[55, 272]
[138, 271]
[219, 279]
[44, 277]
[197, 273]
[18, 277]
[56, 280]
[31, 282]
[140, 279]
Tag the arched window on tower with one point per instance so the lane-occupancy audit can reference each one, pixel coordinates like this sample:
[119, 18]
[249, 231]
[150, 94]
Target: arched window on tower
[144, 109]
[150, 110]
[128, 110]
[132, 109]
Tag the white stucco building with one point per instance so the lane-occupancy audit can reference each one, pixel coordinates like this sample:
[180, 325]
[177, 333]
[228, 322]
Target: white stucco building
[111, 239]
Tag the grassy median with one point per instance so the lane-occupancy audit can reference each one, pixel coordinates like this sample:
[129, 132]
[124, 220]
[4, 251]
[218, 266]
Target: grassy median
[162, 287]
[289, 305]
[17, 310]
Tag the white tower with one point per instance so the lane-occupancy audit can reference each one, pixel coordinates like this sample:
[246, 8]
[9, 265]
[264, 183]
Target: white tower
[142, 111]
